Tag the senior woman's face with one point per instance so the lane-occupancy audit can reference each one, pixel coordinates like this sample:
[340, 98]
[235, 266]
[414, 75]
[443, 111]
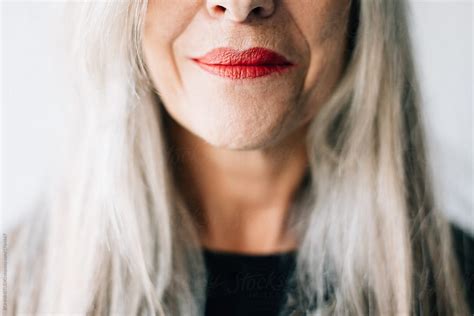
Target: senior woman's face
[244, 74]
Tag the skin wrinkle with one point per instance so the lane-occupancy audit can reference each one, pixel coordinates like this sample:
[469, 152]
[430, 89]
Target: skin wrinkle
[241, 176]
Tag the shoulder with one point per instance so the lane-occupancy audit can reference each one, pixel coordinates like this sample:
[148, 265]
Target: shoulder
[463, 244]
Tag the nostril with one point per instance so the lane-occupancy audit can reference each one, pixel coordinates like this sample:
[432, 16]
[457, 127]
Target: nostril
[218, 9]
[258, 11]
[238, 12]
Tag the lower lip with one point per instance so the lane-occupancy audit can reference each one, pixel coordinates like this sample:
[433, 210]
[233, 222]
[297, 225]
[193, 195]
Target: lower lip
[243, 71]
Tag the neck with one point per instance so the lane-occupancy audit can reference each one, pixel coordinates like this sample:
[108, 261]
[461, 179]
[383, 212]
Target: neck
[241, 198]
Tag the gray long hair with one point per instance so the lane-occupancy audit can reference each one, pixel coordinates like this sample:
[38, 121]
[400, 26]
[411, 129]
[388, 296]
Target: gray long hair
[116, 237]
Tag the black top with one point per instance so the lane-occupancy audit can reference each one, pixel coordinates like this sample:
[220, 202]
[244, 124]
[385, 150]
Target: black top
[244, 284]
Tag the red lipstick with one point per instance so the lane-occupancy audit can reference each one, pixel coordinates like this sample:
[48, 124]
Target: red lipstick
[251, 63]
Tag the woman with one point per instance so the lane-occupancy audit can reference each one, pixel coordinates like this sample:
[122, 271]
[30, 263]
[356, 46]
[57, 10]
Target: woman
[255, 129]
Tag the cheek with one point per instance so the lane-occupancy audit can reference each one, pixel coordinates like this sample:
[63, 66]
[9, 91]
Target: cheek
[319, 20]
[158, 61]
[167, 21]
[323, 24]
[163, 25]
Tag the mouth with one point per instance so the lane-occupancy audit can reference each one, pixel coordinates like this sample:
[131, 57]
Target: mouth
[251, 63]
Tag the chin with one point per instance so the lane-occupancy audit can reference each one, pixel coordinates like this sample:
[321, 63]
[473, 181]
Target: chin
[235, 144]
[239, 137]
[235, 125]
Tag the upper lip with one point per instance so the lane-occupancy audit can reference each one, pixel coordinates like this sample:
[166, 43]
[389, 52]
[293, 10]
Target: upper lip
[249, 57]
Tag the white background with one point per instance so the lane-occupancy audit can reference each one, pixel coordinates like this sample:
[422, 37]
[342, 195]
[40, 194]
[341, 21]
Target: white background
[34, 92]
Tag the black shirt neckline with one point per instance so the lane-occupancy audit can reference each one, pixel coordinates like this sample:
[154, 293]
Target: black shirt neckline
[247, 284]
[246, 255]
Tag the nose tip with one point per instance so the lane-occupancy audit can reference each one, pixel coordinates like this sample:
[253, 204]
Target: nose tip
[240, 10]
